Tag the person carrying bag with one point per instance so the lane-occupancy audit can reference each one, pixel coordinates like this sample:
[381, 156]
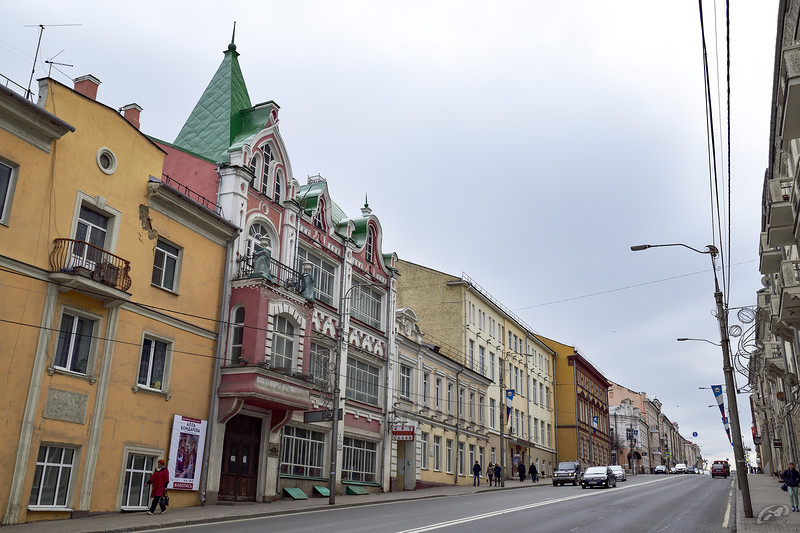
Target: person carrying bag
[158, 491]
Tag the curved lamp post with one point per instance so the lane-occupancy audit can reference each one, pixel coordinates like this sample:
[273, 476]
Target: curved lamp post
[727, 369]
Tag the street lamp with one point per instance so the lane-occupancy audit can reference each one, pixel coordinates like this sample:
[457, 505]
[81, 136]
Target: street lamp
[343, 313]
[703, 340]
[727, 369]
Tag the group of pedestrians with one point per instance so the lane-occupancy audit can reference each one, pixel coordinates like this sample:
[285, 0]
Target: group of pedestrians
[495, 471]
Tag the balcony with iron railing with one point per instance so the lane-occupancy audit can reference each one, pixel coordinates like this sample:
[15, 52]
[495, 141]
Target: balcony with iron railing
[279, 274]
[780, 218]
[790, 293]
[81, 264]
[769, 257]
[789, 94]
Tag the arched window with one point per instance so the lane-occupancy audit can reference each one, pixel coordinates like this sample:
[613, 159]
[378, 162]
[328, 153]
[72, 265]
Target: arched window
[282, 343]
[370, 248]
[267, 151]
[237, 334]
[257, 231]
[278, 187]
[319, 216]
[254, 170]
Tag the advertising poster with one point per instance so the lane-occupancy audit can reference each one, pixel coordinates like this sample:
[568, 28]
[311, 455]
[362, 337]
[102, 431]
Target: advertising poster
[186, 453]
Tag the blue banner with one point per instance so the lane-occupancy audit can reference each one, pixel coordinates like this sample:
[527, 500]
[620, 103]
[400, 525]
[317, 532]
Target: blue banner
[721, 403]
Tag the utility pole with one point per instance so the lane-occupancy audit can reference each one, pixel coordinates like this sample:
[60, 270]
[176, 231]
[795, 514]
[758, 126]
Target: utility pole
[502, 421]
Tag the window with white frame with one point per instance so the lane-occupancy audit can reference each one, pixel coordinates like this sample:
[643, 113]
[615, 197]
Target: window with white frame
[541, 393]
[323, 272]
[319, 214]
[426, 388]
[92, 228]
[449, 397]
[278, 187]
[481, 402]
[461, 410]
[535, 430]
[74, 343]
[256, 232]
[359, 460]
[542, 433]
[547, 397]
[282, 343]
[153, 364]
[405, 381]
[494, 454]
[472, 406]
[535, 398]
[51, 479]
[461, 466]
[492, 413]
[8, 181]
[438, 399]
[362, 381]
[448, 451]
[318, 365]
[267, 151]
[471, 353]
[423, 449]
[135, 491]
[482, 359]
[165, 266]
[302, 452]
[237, 334]
[437, 453]
[366, 305]
[491, 366]
[549, 429]
[253, 168]
[369, 253]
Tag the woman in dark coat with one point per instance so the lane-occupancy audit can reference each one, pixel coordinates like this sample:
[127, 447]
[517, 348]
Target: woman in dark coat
[521, 470]
[533, 473]
[159, 481]
[498, 471]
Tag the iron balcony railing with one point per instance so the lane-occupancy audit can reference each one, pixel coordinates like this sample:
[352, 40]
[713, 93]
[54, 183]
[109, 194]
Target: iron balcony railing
[84, 259]
[193, 195]
[280, 274]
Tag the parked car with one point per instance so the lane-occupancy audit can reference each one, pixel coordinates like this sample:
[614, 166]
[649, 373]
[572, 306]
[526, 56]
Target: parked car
[720, 469]
[692, 470]
[660, 469]
[619, 472]
[598, 476]
[672, 470]
[567, 472]
[680, 468]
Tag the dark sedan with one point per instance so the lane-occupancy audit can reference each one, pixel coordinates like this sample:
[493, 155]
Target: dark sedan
[598, 476]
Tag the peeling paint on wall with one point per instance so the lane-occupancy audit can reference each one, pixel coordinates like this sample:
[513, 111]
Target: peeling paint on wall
[147, 224]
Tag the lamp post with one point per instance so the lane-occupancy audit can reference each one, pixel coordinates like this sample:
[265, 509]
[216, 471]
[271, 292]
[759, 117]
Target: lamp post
[727, 369]
[343, 313]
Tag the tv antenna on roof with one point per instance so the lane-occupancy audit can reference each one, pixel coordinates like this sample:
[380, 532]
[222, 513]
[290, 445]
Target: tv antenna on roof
[38, 46]
[51, 63]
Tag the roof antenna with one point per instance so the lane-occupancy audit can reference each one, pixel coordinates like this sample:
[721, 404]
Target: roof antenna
[51, 63]
[38, 45]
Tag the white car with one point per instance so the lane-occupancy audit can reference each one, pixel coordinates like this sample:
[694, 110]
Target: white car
[619, 472]
[680, 468]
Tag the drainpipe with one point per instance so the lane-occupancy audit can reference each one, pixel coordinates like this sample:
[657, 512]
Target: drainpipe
[222, 344]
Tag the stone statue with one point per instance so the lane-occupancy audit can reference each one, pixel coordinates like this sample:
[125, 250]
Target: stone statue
[307, 287]
[261, 260]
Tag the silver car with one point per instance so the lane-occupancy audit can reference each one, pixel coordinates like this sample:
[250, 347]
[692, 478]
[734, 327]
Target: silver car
[619, 472]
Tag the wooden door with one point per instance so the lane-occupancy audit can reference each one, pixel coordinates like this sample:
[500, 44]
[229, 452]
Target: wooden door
[239, 476]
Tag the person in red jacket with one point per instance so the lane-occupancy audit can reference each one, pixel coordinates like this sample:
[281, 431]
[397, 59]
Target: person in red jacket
[159, 481]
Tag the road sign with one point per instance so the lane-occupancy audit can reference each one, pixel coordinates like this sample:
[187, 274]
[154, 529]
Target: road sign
[403, 432]
[777, 443]
[325, 415]
[757, 441]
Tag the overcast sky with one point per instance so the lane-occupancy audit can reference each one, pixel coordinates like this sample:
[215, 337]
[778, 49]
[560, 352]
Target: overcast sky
[527, 144]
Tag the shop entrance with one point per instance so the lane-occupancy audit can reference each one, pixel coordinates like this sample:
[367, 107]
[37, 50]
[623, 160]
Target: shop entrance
[239, 477]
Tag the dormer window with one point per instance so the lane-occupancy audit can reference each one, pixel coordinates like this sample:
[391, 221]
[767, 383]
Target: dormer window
[319, 219]
[267, 151]
[278, 187]
[370, 248]
[253, 167]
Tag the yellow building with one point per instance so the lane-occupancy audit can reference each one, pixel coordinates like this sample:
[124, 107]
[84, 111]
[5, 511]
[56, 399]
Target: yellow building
[456, 313]
[112, 282]
[583, 430]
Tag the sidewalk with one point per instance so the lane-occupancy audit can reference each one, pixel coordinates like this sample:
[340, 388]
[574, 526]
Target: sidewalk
[771, 511]
[139, 521]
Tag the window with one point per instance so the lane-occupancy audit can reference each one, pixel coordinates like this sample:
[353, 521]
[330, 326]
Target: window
[494, 454]
[319, 215]
[152, 364]
[362, 381]
[282, 343]
[318, 365]
[322, 272]
[253, 168]
[461, 470]
[92, 229]
[461, 411]
[254, 235]
[370, 248]
[278, 187]
[426, 389]
[302, 452]
[492, 413]
[472, 406]
[472, 458]
[165, 266]
[535, 400]
[471, 353]
[135, 492]
[547, 397]
[535, 430]
[423, 449]
[52, 476]
[8, 180]
[481, 401]
[449, 397]
[481, 359]
[366, 305]
[359, 460]
[405, 381]
[438, 404]
[541, 394]
[437, 453]
[265, 173]
[74, 343]
[449, 456]
[237, 335]
[491, 366]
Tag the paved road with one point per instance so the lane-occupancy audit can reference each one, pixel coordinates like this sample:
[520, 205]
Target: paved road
[647, 503]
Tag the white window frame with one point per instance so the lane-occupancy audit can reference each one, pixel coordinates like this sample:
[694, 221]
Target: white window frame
[324, 274]
[45, 464]
[461, 459]
[492, 413]
[448, 450]
[318, 365]
[438, 396]
[277, 196]
[359, 460]
[424, 446]
[154, 339]
[129, 474]
[426, 389]
[406, 373]
[237, 334]
[92, 353]
[437, 453]
[363, 381]
[284, 345]
[7, 191]
[302, 455]
[366, 305]
[167, 255]
[266, 149]
[98, 205]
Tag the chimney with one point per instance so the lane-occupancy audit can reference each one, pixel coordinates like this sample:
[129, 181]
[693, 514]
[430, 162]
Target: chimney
[87, 86]
[131, 113]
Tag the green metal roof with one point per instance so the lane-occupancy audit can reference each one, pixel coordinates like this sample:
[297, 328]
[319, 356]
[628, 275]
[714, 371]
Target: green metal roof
[217, 119]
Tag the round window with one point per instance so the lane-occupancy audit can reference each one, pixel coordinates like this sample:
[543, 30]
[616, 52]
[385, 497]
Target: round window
[106, 160]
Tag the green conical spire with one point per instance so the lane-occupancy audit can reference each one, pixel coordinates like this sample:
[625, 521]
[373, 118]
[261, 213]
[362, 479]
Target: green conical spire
[217, 117]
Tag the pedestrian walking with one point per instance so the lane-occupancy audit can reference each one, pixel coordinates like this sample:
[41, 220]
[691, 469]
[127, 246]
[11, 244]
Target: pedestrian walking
[533, 473]
[159, 480]
[476, 474]
[792, 479]
[498, 471]
[521, 470]
[490, 472]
